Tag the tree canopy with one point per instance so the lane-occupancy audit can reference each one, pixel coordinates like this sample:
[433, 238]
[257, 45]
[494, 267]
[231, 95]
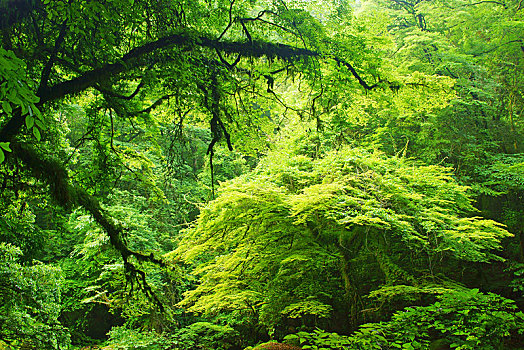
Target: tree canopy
[220, 173]
[295, 218]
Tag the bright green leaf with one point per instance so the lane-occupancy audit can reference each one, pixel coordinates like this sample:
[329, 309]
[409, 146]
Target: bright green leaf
[6, 106]
[5, 146]
[36, 132]
[29, 122]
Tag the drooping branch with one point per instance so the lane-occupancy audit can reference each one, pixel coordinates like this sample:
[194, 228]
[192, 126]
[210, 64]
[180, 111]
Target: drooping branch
[53, 173]
[496, 47]
[226, 63]
[152, 106]
[355, 74]
[479, 3]
[120, 96]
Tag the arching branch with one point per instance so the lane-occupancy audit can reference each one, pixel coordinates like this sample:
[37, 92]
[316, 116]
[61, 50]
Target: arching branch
[136, 58]
[120, 96]
[254, 49]
[53, 173]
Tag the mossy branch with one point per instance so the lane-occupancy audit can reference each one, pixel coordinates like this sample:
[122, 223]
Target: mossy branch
[246, 49]
[135, 58]
[68, 196]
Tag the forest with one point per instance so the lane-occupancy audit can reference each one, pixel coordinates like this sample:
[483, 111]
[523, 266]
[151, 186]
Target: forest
[261, 174]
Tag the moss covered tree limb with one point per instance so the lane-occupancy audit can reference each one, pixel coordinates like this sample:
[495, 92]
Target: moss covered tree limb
[53, 173]
[189, 41]
[136, 58]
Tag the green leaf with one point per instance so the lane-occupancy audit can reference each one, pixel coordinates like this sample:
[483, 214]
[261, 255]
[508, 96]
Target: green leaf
[29, 122]
[36, 111]
[5, 146]
[6, 106]
[39, 124]
[36, 132]
[2, 156]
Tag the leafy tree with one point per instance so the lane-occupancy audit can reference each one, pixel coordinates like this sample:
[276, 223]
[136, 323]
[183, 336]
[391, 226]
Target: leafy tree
[461, 113]
[364, 222]
[30, 303]
[463, 319]
[118, 117]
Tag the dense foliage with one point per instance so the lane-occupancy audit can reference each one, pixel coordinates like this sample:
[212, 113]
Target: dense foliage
[261, 245]
[266, 174]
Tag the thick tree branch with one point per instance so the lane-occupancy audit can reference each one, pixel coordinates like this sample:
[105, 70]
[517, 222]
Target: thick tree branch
[254, 49]
[95, 76]
[67, 195]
